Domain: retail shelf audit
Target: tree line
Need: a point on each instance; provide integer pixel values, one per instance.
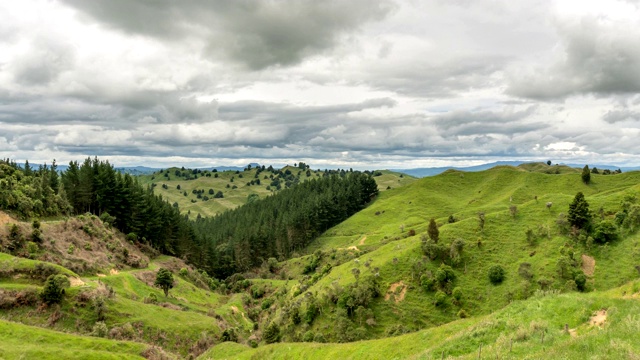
(232, 242)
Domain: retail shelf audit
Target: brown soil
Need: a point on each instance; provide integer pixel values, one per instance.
(101, 275)
(5, 219)
(588, 265)
(599, 318)
(573, 333)
(364, 238)
(350, 248)
(392, 292)
(75, 281)
(113, 272)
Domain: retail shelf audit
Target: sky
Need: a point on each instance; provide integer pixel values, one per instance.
(367, 84)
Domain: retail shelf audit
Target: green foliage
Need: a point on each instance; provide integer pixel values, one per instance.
(580, 281)
(578, 215)
(229, 335)
(496, 274)
(445, 275)
(54, 289)
(440, 299)
(99, 329)
(605, 231)
(272, 333)
(164, 280)
(432, 230)
(586, 174)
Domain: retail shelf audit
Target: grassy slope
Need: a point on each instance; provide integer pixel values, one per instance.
(237, 197)
(503, 240)
(18, 341)
(530, 329)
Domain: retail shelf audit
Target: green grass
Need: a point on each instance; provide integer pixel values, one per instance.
(236, 197)
(514, 332)
(18, 341)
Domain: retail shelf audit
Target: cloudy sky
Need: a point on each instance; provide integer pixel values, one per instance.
(357, 83)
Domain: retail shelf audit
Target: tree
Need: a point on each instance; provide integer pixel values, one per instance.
(606, 231)
(164, 280)
(53, 289)
(579, 212)
(496, 274)
(580, 281)
(586, 174)
(272, 333)
(432, 230)
(549, 162)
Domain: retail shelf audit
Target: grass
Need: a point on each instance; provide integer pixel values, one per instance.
(18, 341)
(513, 332)
(236, 197)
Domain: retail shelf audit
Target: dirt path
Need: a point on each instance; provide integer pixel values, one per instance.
(599, 318)
(588, 265)
(392, 292)
(350, 248)
(235, 310)
(362, 240)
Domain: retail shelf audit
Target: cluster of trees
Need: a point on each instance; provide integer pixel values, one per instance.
(280, 224)
(31, 193)
(96, 187)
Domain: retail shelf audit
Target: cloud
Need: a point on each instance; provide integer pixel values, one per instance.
(598, 56)
(615, 116)
(257, 34)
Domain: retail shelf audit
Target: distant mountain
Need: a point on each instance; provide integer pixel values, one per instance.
(423, 172)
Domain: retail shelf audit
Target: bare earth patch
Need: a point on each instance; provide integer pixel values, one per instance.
(113, 272)
(364, 238)
(355, 248)
(599, 318)
(398, 297)
(101, 275)
(588, 265)
(5, 219)
(75, 281)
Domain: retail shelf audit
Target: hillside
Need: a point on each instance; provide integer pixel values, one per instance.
(601, 325)
(111, 295)
(377, 275)
(375, 260)
(208, 192)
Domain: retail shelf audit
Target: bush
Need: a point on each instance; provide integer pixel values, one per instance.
(308, 336)
(462, 314)
(457, 294)
(496, 274)
(440, 299)
(580, 281)
(229, 335)
(606, 231)
(100, 329)
(272, 333)
(54, 289)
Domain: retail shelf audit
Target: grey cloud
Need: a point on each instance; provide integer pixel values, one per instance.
(46, 59)
(599, 58)
(465, 123)
(257, 34)
(615, 116)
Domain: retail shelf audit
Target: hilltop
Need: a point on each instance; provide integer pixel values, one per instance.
(211, 192)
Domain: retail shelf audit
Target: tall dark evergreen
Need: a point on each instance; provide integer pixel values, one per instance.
(586, 174)
(579, 212)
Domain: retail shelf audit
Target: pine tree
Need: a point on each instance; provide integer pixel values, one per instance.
(432, 231)
(586, 174)
(579, 212)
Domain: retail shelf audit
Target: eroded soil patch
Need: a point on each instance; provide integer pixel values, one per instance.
(588, 265)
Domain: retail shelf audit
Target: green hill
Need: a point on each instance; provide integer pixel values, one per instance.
(195, 190)
(385, 240)
(600, 325)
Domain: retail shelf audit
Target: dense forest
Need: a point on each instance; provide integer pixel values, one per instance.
(223, 245)
(282, 223)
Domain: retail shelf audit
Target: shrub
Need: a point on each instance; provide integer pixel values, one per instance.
(440, 299)
(229, 335)
(272, 333)
(319, 338)
(580, 281)
(606, 231)
(99, 329)
(164, 280)
(54, 289)
(457, 294)
(462, 314)
(496, 274)
(308, 336)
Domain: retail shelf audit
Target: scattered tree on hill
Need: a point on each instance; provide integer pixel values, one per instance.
(496, 274)
(54, 289)
(586, 174)
(549, 162)
(606, 231)
(164, 280)
(272, 333)
(579, 212)
(432, 230)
